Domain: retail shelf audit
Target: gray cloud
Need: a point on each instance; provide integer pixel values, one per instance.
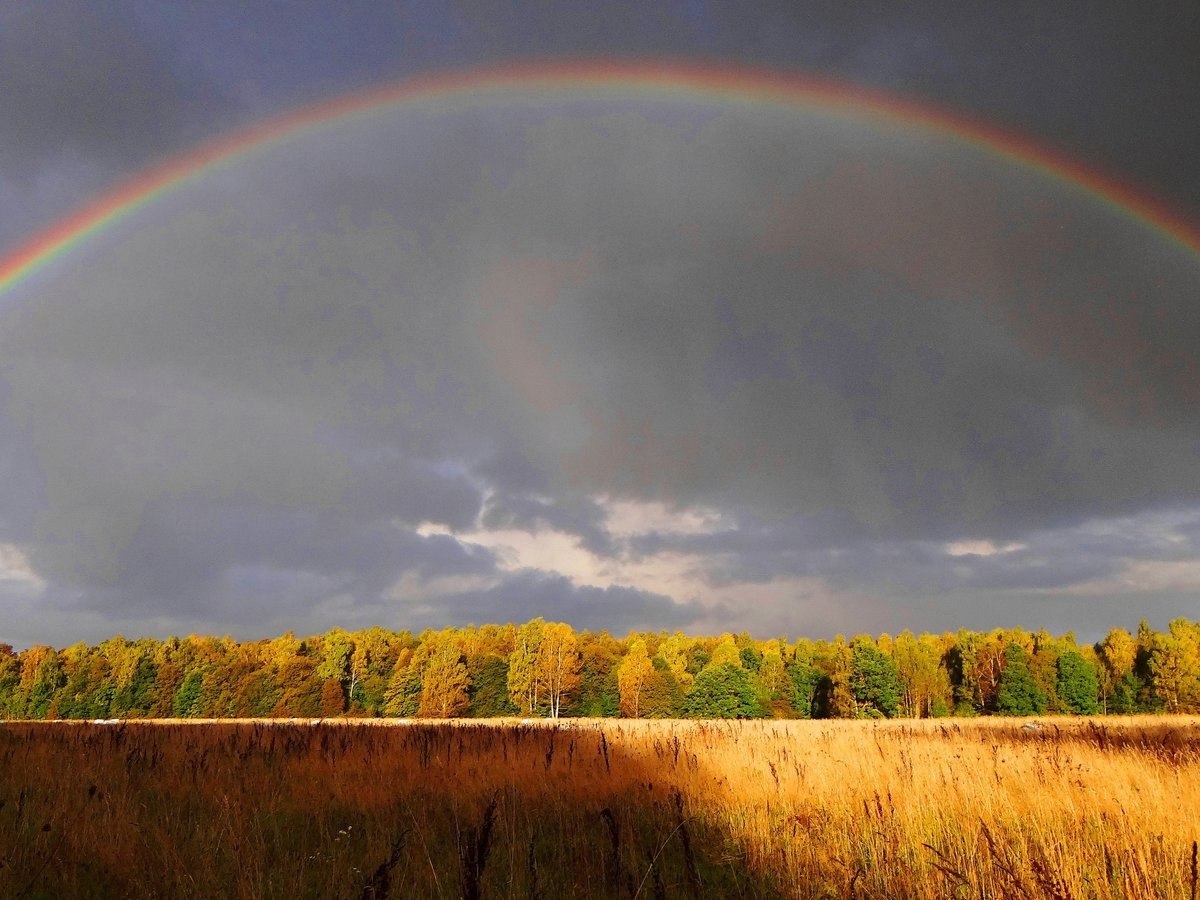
(526, 593)
(579, 516)
(854, 341)
(82, 80)
(1045, 559)
(242, 563)
(941, 381)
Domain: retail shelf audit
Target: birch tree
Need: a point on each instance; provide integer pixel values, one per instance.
(523, 683)
(635, 670)
(557, 665)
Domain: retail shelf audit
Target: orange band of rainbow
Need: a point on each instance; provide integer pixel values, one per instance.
(709, 82)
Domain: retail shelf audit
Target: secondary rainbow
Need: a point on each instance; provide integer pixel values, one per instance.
(706, 82)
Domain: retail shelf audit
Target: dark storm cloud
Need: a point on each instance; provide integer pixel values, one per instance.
(509, 469)
(810, 545)
(941, 387)
(557, 598)
(248, 569)
(83, 83)
(388, 486)
(1113, 85)
(579, 516)
(20, 473)
(244, 563)
(854, 343)
(119, 83)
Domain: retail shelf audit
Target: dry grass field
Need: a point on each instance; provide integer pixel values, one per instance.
(621, 809)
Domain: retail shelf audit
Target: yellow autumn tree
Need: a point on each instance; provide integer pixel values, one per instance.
(403, 694)
(673, 652)
(924, 680)
(1118, 653)
(632, 675)
(524, 687)
(1175, 666)
(772, 673)
(558, 665)
(444, 682)
(370, 663)
(725, 653)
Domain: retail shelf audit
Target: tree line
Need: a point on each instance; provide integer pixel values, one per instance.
(549, 669)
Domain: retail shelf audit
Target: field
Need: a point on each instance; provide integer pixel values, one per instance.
(621, 809)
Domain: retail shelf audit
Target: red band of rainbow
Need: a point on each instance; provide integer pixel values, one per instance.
(709, 82)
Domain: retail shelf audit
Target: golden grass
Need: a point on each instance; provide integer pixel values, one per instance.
(923, 809)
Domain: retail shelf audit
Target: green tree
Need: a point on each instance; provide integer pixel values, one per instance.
(1126, 695)
(99, 702)
(374, 657)
(166, 685)
(258, 693)
(12, 704)
(805, 682)
(1078, 686)
(834, 698)
(488, 691)
(1018, 693)
(82, 673)
(698, 657)
(186, 704)
(136, 697)
(874, 681)
(662, 697)
(723, 692)
(751, 658)
(599, 694)
(337, 647)
(42, 675)
(1043, 665)
(976, 661)
(403, 697)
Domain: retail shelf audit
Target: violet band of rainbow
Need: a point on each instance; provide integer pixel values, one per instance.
(713, 83)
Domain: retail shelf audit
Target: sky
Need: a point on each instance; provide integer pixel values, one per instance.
(627, 356)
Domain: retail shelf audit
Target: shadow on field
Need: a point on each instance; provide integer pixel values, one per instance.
(360, 811)
(1168, 741)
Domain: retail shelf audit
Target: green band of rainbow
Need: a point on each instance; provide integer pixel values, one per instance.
(710, 82)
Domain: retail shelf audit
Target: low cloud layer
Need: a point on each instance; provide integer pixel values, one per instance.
(625, 363)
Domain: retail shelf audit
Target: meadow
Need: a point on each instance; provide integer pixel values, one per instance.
(1075, 808)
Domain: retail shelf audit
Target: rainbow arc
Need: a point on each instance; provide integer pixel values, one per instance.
(708, 82)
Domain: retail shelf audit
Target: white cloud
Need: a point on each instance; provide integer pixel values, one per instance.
(981, 548)
(15, 568)
(793, 605)
(674, 574)
(412, 588)
(548, 550)
(627, 518)
(685, 577)
(1140, 576)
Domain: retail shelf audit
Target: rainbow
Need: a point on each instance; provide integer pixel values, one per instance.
(713, 83)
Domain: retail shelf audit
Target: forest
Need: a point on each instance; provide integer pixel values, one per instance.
(550, 670)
